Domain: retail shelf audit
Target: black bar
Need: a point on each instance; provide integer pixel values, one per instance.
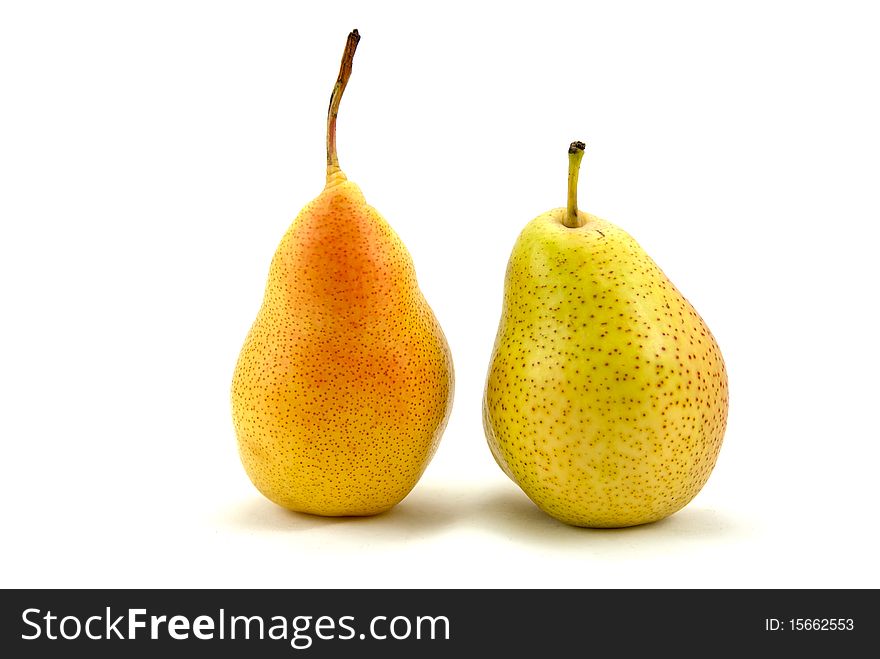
(515, 622)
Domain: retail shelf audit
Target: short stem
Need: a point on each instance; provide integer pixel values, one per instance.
(575, 155)
(336, 97)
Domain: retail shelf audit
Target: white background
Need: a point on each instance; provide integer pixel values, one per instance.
(152, 155)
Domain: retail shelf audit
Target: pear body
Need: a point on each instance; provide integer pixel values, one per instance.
(606, 399)
(344, 384)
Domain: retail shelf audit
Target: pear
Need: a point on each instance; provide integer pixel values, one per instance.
(606, 399)
(344, 384)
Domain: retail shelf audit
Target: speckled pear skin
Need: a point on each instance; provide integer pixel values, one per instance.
(344, 384)
(606, 399)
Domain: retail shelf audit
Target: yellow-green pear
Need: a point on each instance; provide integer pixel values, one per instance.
(606, 399)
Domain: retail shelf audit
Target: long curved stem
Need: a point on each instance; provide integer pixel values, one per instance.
(336, 97)
(575, 155)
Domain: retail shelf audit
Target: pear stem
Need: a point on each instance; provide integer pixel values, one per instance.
(336, 97)
(575, 155)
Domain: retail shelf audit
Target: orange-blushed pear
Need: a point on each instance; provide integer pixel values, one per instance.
(344, 384)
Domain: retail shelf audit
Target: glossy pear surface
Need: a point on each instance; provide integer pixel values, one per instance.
(344, 384)
(606, 398)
